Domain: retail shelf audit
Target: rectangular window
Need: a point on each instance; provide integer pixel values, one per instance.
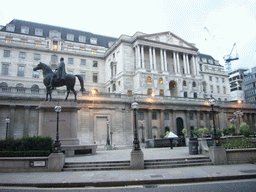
(36, 56)
(224, 90)
(35, 74)
(211, 88)
(210, 78)
(95, 64)
(24, 30)
(7, 53)
(55, 46)
(95, 78)
(38, 44)
(140, 115)
(129, 92)
(166, 116)
(191, 116)
(161, 92)
(70, 61)
(217, 79)
(54, 34)
(201, 116)
(83, 75)
(38, 32)
(70, 37)
(149, 91)
(21, 70)
(5, 69)
(22, 55)
(83, 62)
(82, 39)
(8, 40)
(94, 51)
(218, 89)
(93, 41)
(154, 115)
(223, 80)
(185, 94)
(210, 116)
(10, 28)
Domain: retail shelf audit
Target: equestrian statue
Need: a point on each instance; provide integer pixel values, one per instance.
(59, 79)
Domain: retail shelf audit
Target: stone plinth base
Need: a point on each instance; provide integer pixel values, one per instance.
(70, 149)
(218, 155)
(56, 162)
(108, 147)
(137, 159)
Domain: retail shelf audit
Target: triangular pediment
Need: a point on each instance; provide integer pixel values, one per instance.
(168, 38)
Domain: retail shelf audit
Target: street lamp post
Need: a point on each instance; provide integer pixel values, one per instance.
(7, 121)
(142, 132)
(212, 102)
(108, 140)
(57, 143)
(136, 141)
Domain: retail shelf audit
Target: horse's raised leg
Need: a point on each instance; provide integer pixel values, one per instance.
(75, 93)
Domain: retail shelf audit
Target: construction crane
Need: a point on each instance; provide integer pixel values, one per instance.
(230, 57)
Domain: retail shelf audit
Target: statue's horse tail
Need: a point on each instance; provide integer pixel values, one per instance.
(80, 78)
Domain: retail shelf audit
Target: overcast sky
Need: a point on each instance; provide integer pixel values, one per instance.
(227, 21)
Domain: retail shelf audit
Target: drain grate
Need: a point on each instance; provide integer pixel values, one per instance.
(156, 176)
(248, 171)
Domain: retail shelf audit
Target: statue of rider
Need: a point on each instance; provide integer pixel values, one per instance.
(60, 73)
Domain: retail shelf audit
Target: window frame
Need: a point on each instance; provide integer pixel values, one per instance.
(5, 69)
(21, 73)
(7, 53)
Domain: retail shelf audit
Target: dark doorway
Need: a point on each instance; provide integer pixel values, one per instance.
(180, 126)
(166, 129)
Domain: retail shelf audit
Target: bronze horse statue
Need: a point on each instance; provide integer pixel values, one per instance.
(69, 81)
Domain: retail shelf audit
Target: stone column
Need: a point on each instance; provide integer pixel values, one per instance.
(173, 121)
(198, 119)
(175, 62)
(162, 60)
(193, 63)
(185, 63)
(26, 120)
(188, 65)
(178, 62)
(150, 58)
(162, 120)
(12, 120)
(165, 61)
(149, 124)
(138, 60)
(197, 65)
(142, 56)
(154, 58)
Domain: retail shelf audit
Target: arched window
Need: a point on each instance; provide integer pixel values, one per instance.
(114, 87)
(194, 84)
(184, 83)
(149, 80)
(34, 89)
(20, 88)
(4, 87)
(160, 81)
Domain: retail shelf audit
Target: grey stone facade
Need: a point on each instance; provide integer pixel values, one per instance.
(165, 74)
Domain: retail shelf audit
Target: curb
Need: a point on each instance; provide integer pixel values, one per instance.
(134, 182)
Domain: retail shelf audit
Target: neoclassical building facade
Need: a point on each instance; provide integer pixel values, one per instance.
(165, 74)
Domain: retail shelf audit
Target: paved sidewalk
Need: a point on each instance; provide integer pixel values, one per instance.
(129, 177)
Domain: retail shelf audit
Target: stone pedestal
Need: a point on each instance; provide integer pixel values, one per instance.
(56, 162)
(218, 155)
(68, 121)
(137, 159)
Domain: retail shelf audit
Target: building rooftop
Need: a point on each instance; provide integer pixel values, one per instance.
(101, 40)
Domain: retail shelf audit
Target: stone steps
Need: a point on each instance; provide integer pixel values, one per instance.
(148, 164)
